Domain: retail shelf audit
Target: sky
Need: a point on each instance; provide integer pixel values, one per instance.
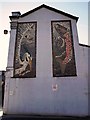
(77, 8)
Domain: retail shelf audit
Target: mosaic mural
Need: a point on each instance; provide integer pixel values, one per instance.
(62, 49)
(25, 50)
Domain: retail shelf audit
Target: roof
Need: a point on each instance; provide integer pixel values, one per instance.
(50, 8)
(83, 45)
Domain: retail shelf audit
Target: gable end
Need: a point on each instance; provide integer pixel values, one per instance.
(50, 8)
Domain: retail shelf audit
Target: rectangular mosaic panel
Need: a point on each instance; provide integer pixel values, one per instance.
(62, 49)
(25, 50)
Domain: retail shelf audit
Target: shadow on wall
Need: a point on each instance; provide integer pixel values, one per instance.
(0, 96)
(88, 82)
(88, 59)
(2, 83)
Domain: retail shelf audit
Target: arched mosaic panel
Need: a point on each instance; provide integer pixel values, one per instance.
(25, 50)
(62, 49)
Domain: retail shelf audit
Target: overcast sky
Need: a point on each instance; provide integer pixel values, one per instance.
(78, 8)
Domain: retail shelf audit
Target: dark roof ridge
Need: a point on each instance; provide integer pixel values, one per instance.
(83, 45)
(50, 8)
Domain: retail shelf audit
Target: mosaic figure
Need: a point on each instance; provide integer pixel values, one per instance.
(25, 52)
(63, 52)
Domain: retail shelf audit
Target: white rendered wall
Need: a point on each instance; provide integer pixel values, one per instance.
(35, 95)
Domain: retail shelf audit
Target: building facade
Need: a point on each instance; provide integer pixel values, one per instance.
(47, 70)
